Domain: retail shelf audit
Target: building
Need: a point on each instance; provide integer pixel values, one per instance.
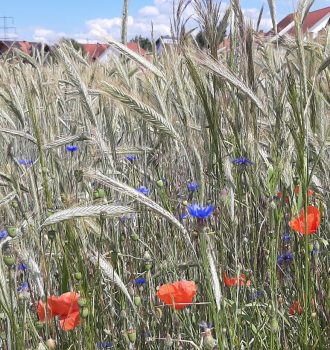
(314, 24)
(165, 42)
(27, 47)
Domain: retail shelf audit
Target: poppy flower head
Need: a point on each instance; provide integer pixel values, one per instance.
(313, 221)
(65, 306)
(177, 295)
(309, 191)
(295, 308)
(234, 281)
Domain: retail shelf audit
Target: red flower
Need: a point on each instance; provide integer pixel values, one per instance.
(295, 308)
(178, 294)
(313, 221)
(309, 191)
(234, 281)
(279, 195)
(65, 306)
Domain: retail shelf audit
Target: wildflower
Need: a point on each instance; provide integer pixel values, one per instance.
(234, 281)
(25, 161)
(242, 161)
(3, 234)
(183, 216)
(65, 306)
(131, 157)
(193, 186)
(22, 267)
(178, 294)
(140, 281)
(286, 257)
(279, 195)
(313, 221)
(72, 148)
(309, 191)
(205, 325)
(286, 237)
(23, 288)
(200, 212)
(295, 308)
(144, 190)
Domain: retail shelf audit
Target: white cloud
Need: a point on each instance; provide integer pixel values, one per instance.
(47, 35)
(252, 14)
(149, 11)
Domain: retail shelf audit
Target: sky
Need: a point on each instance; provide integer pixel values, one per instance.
(94, 20)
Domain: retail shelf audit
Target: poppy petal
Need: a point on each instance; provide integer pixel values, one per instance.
(71, 321)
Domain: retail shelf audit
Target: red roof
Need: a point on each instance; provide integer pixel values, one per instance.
(94, 51)
(136, 48)
(310, 21)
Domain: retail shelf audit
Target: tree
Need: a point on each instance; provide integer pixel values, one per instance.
(144, 43)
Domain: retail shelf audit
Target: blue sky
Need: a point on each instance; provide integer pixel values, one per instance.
(93, 19)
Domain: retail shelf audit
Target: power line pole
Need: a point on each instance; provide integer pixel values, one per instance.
(5, 27)
(124, 23)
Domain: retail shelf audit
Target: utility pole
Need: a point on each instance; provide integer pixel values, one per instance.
(5, 27)
(124, 23)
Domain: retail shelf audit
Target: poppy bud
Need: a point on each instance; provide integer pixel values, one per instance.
(84, 312)
(160, 183)
(208, 340)
(11, 231)
(148, 265)
(51, 344)
(159, 312)
(9, 260)
(137, 300)
(51, 234)
(168, 341)
(185, 203)
(39, 325)
(313, 315)
(78, 276)
(274, 325)
(101, 193)
(125, 336)
(147, 256)
(134, 237)
(82, 302)
(123, 314)
(14, 204)
(96, 194)
(131, 335)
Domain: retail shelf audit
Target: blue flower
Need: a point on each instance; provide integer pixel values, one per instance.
(140, 281)
(193, 186)
(183, 216)
(144, 190)
(131, 157)
(314, 251)
(22, 267)
(286, 257)
(205, 325)
(3, 234)
(200, 212)
(23, 288)
(286, 237)
(72, 148)
(242, 161)
(25, 161)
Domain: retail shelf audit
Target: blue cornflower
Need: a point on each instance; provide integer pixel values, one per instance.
(25, 161)
(314, 251)
(286, 237)
(144, 190)
(204, 325)
(23, 288)
(140, 281)
(183, 216)
(242, 161)
(200, 212)
(131, 157)
(288, 257)
(193, 186)
(72, 148)
(3, 234)
(22, 267)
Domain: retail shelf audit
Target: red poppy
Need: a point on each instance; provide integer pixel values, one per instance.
(279, 195)
(295, 308)
(309, 191)
(313, 221)
(234, 281)
(178, 294)
(65, 306)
